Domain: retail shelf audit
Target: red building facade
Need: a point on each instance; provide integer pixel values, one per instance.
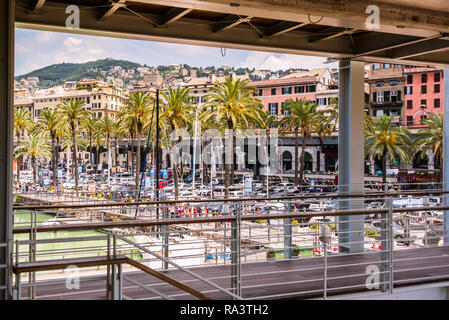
(423, 94)
(274, 93)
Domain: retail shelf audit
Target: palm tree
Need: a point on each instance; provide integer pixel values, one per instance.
(431, 138)
(49, 120)
(22, 123)
(302, 117)
(176, 114)
(136, 113)
(388, 140)
(34, 146)
(73, 113)
(232, 102)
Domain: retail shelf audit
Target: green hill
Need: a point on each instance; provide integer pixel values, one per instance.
(62, 72)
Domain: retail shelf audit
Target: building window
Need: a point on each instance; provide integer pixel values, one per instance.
(311, 88)
(387, 96)
(394, 96)
(380, 84)
(409, 104)
(285, 110)
(436, 88)
(379, 96)
(423, 89)
(409, 90)
(273, 108)
(287, 90)
(424, 103)
(410, 79)
(273, 91)
(100, 114)
(437, 77)
(436, 103)
(376, 66)
(260, 92)
(424, 78)
(299, 89)
(409, 120)
(387, 66)
(394, 82)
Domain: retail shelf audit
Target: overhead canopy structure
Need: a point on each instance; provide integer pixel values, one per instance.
(409, 31)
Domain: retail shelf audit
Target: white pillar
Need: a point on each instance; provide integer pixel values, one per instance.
(351, 151)
(6, 139)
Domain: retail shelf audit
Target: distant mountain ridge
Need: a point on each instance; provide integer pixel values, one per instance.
(59, 73)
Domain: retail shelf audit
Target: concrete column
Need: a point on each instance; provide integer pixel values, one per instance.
(322, 161)
(351, 152)
(6, 139)
(445, 153)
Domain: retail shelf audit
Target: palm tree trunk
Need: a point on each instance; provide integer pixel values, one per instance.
(55, 163)
(441, 167)
(138, 162)
(33, 161)
(75, 159)
(132, 154)
(303, 151)
(97, 162)
(228, 165)
(90, 151)
(116, 156)
(296, 155)
(18, 161)
(233, 163)
(384, 171)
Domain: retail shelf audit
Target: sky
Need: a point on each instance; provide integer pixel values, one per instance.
(36, 49)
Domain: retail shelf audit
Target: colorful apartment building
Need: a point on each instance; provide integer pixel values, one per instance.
(386, 87)
(423, 93)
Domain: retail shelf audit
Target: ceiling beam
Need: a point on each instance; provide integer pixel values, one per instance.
(229, 22)
(283, 27)
(418, 49)
(332, 36)
(114, 7)
(39, 4)
(173, 15)
(378, 43)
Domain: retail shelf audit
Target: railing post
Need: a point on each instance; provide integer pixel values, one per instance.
(235, 251)
(391, 242)
(108, 270)
(165, 235)
(386, 241)
(117, 282)
(287, 229)
(17, 291)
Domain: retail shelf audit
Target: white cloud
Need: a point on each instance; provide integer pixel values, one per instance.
(274, 62)
(73, 44)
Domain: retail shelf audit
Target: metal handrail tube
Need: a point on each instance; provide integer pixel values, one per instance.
(179, 267)
(142, 223)
(311, 196)
(49, 283)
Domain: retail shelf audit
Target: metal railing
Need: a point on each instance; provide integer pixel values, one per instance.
(249, 248)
